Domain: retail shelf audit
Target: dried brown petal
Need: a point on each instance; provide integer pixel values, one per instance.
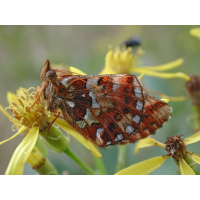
(176, 147)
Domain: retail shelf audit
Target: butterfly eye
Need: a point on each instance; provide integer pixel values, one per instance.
(52, 106)
(50, 74)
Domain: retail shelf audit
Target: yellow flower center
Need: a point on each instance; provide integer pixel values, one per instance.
(120, 61)
(36, 116)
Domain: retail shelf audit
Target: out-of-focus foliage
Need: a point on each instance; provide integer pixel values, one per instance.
(24, 50)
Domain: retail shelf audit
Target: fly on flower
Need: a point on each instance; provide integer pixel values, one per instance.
(105, 109)
(132, 42)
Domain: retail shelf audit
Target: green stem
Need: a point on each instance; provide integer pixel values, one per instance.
(47, 169)
(196, 124)
(100, 165)
(192, 164)
(121, 157)
(77, 160)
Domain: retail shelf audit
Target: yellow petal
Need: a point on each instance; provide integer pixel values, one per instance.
(165, 100)
(69, 129)
(76, 71)
(194, 157)
(22, 152)
(14, 120)
(176, 99)
(60, 66)
(195, 32)
(107, 70)
(185, 168)
(164, 96)
(140, 77)
(4, 112)
(109, 61)
(192, 139)
(20, 91)
(145, 167)
(11, 97)
(23, 128)
(162, 75)
(147, 142)
(164, 67)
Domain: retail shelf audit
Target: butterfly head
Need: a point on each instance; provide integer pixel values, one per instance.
(47, 73)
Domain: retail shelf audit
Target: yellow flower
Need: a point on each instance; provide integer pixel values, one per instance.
(32, 122)
(176, 149)
(124, 62)
(195, 32)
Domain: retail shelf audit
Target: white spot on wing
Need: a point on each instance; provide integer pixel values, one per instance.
(115, 87)
(136, 82)
(81, 124)
(108, 143)
(119, 137)
(71, 103)
(139, 105)
(138, 92)
(89, 118)
(98, 134)
(91, 82)
(94, 101)
(117, 78)
(83, 95)
(65, 81)
(136, 119)
(129, 129)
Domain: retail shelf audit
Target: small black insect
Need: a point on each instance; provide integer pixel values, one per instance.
(132, 42)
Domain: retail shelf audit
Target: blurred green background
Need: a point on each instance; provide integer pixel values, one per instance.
(24, 50)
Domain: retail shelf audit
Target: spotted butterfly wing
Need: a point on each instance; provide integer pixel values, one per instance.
(106, 109)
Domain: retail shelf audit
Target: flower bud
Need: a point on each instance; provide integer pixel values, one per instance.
(56, 140)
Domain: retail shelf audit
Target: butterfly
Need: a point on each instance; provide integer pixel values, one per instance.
(105, 109)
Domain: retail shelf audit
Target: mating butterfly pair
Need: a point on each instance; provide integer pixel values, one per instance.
(106, 109)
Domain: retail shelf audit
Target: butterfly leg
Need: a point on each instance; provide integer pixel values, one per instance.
(38, 97)
(52, 122)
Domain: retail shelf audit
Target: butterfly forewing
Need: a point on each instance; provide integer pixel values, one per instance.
(107, 109)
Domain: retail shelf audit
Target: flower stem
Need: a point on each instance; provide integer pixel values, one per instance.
(121, 157)
(77, 160)
(47, 169)
(196, 122)
(100, 165)
(192, 164)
